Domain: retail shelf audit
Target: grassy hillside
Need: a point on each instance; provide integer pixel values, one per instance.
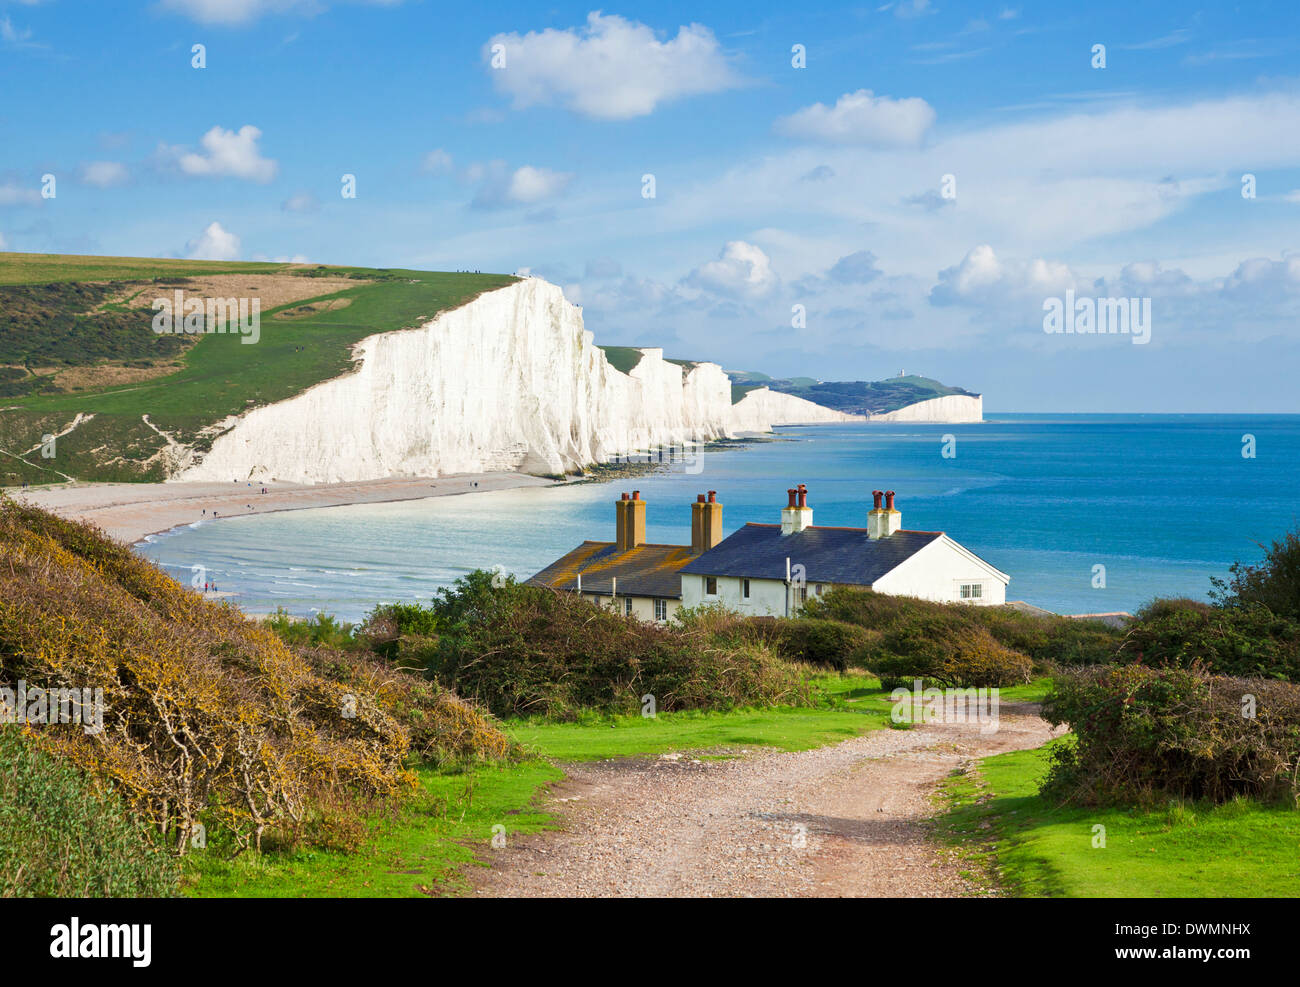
(93, 316)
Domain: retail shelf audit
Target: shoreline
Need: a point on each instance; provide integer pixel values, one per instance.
(131, 512)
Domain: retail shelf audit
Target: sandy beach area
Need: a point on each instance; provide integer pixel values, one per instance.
(130, 511)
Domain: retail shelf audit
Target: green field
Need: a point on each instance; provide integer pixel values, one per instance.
(1031, 847)
(220, 375)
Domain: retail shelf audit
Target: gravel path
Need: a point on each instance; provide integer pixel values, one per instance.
(841, 821)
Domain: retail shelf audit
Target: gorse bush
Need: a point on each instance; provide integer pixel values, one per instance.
(1143, 732)
(525, 650)
(209, 717)
(942, 655)
(897, 618)
(61, 838)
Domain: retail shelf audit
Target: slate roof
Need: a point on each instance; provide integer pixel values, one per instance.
(647, 570)
(828, 555)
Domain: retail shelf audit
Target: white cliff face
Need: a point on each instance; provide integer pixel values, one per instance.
(762, 408)
(953, 408)
(511, 380)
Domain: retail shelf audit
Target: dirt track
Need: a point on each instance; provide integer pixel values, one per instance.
(688, 828)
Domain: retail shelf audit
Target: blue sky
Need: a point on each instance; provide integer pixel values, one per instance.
(820, 187)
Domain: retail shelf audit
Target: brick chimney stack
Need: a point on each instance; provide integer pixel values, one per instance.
(797, 515)
(630, 521)
(883, 521)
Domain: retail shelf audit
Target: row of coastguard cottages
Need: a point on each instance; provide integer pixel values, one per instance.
(770, 569)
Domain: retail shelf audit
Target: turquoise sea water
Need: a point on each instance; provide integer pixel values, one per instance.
(1162, 501)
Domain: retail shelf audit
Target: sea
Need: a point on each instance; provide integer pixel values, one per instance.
(1086, 513)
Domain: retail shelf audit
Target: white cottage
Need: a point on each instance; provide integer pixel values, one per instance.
(771, 569)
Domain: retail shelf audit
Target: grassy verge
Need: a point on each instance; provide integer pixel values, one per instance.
(428, 845)
(421, 850)
(1031, 847)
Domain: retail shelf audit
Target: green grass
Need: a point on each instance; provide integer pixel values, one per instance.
(425, 849)
(1034, 848)
(851, 706)
(623, 358)
(18, 268)
(430, 844)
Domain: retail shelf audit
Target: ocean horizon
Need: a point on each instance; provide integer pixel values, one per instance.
(1161, 502)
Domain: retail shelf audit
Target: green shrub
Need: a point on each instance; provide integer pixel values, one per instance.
(61, 838)
(824, 642)
(526, 650)
(1245, 640)
(1044, 639)
(1143, 732)
(1273, 583)
(318, 630)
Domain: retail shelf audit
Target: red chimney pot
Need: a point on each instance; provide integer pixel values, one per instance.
(713, 496)
(699, 499)
(792, 493)
(625, 495)
(889, 500)
(876, 495)
(636, 494)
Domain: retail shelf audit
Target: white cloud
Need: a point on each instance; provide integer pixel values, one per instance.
(524, 186)
(11, 35)
(985, 280)
(18, 195)
(741, 269)
(104, 174)
(1260, 277)
(862, 118)
(227, 153)
(613, 69)
(234, 12)
(437, 161)
(302, 202)
(214, 243)
(529, 184)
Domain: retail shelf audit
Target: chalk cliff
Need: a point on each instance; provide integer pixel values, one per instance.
(762, 408)
(511, 380)
(954, 408)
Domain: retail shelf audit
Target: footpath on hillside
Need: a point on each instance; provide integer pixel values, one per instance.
(848, 820)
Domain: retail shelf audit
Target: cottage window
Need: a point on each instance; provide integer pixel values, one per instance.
(972, 591)
(710, 585)
(627, 606)
(661, 609)
(744, 588)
